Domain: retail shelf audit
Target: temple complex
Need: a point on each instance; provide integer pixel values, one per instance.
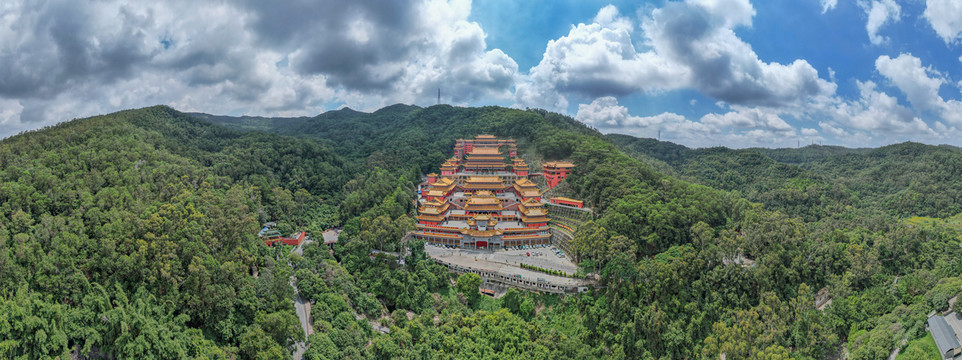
(484, 198)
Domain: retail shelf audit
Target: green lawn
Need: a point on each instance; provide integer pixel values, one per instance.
(925, 345)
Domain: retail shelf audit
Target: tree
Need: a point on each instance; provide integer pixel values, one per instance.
(321, 347)
(527, 308)
(255, 344)
(469, 284)
(282, 326)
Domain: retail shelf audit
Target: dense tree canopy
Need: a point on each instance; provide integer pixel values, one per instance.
(131, 235)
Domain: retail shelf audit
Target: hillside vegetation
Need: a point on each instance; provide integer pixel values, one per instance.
(132, 235)
(903, 180)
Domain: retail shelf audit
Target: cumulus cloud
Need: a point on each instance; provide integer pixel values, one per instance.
(702, 39)
(595, 60)
(920, 85)
(945, 16)
(606, 114)
(907, 73)
(879, 12)
(878, 113)
(55, 50)
(64, 59)
(686, 45)
(748, 118)
(877, 118)
(761, 97)
(746, 127)
(610, 18)
(387, 47)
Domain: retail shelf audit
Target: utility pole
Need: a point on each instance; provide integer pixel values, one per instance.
(439, 96)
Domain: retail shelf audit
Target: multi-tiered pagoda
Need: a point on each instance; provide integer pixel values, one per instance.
(484, 198)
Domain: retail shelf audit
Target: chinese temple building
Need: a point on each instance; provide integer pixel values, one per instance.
(555, 171)
(483, 198)
(568, 201)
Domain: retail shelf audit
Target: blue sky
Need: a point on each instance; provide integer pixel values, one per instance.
(834, 41)
(737, 73)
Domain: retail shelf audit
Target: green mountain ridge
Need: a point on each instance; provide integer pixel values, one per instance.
(908, 179)
(132, 235)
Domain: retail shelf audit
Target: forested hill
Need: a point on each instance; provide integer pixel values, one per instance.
(132, 235)
(907, 179)
(836, 226)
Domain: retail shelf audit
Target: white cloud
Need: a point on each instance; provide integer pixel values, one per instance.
(744, 127)
(608, 17)
(607, 115)
(65, 59)
(907, 73)
(685, 45)
(594, 60)
(920, 85)
(603, 111)
(702, 39)
(876, 118)
(751, 118)
(828, 5)
(880, 114)
(879, 12)
(413, 50)
(945, 16)
(834, 131)
(732, 12)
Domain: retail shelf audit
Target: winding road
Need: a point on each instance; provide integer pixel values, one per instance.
(302, 306)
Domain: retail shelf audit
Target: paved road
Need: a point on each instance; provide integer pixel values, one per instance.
(302, 307)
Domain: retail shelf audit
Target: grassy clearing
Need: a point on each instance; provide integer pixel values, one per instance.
(925, 344)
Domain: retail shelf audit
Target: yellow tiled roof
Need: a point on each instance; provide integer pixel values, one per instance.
(434, 209)
(486, 207)
(475, 186)
(430, 217)
(559, 164)
(524, 182)
(483, 179)
(484, 150)
(483, 200)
